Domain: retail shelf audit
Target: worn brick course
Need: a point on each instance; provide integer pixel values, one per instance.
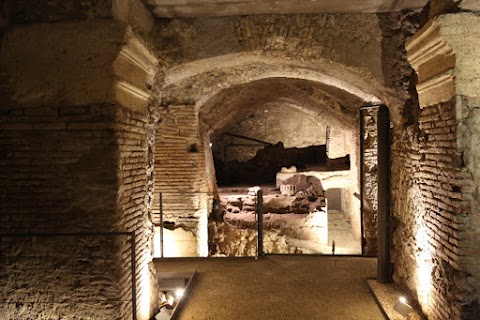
(74, 182)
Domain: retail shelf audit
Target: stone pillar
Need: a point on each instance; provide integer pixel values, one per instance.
(370, 181)
(181, 177)
(73, 159)
(437, 169)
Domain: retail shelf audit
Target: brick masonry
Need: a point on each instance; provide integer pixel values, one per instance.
(429, 188)
(181, 175)
(74, 157)
(434, 173)
(59, 174)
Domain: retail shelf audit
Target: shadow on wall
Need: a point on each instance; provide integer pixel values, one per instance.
(262, 169)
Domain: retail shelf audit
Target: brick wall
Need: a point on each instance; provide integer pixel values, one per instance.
(428, 206)
(74, 158)
(57, 167)
(180, 171)
(435, 172)
(133, 134)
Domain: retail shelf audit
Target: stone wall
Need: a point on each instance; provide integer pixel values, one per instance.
(350, 39)
(336, 143)
(56, 178)
(370, 181)
(466, 157)
(435, 173)
(74, 159)
(180, 170)
(294, 128)
(232, 67)
(351, 194)
(209, 163)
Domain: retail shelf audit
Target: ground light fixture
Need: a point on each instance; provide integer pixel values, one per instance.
(402, 307)
(179, 293)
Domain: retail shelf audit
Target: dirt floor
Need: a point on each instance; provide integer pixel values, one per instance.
(277, 287)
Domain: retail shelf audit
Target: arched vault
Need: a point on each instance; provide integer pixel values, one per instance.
(228, 88)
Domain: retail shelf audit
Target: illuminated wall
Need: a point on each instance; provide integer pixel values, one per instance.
(181, 177)
(435, 170)
(75, 125)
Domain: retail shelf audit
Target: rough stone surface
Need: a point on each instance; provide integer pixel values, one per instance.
(75, 160)
(207, 8)
(32, 58)
(299, 129)
(435, 202)
(75, 189)
(370, 181)
(235, 51)
(351, 39)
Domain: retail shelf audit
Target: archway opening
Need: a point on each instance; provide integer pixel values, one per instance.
(295, 139)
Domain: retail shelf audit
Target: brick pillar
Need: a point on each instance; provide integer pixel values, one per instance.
(435, 171)
(181, 177)
(73, 159)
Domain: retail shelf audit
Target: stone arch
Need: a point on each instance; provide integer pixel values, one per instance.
(218, 88)
(198, 81)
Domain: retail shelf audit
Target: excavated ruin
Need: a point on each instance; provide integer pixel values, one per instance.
(132, 130)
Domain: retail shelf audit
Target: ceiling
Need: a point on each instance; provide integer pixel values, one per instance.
(237, 103)
(206, 8)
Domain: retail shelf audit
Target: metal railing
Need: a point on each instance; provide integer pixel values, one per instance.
(178, 227)
(183, 247)
(173, 218)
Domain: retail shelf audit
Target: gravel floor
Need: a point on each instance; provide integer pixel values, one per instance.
(277, 287)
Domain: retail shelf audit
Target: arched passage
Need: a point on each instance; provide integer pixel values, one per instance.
(230, 91)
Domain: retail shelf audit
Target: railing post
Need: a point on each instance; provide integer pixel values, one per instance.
(134, 285)
(383, 133)
(260, 223)
(161, 224)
